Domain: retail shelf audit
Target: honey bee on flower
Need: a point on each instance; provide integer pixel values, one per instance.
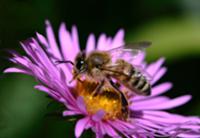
(100, 67)
(101, 108)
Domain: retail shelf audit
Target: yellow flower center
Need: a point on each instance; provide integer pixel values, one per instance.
(107, 99)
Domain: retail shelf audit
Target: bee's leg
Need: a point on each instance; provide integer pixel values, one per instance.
(123, 99)
(98, 88)
(117, 84)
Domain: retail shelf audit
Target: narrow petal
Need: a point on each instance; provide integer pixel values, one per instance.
(42, 88)
(90, 45)
(148, 123)
(154, 67)
(52, 40)
(99, 133)
(118, 40)
(75, 40)
(158, 75)
(80, 126)
(102, 129)
(149, 102)
(110, 131)
(189, 135)
(81, 104)
(101, 44)
(42, 57)
(161, 88)
(66, 43)
(166, 105)
(16, 70)
(70, 113)
(42, 39)
(20, 60)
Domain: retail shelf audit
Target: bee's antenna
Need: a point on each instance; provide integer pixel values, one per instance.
(64, 61)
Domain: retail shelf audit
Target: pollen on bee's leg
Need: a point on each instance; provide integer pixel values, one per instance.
(108, 100)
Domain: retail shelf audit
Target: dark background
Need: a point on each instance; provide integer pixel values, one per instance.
(173, 26)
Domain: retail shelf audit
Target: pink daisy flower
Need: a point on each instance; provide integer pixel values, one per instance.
(147, 114)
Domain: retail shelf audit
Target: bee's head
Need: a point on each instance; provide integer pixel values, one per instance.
(80, 63)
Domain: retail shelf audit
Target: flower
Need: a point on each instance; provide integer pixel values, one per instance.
(147, 116)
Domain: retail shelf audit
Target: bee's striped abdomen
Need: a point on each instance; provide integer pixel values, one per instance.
(138, 83)
(132, 78)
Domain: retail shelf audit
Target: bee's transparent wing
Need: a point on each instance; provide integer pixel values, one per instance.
(131, 50)
(141, 71)
(144, 72)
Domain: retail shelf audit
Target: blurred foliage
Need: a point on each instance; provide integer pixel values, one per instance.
(173, 26)
(172, 38)
(20, 106)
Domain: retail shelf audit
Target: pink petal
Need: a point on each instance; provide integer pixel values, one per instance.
(75, 40)
(109, 130)
(190, 126)
(148, 123)
(16, 70)
(101, 127)
(80, 126)
(52, 40)
(98, 116)
(118, 40)
(101, 44)
(168, 119)
(29, 49)
(161, 88)
(90, 43)
(192, 135)
(97, 129)
(41, 88)
(154, 67)
(66, 43)
(157, 113)
(125, 124)
(66, 74)
(21, 60)
(137, 105)
(158, 75)
(42, 39)
(49, 92)
(43, 57)
(81, 104)
(165, 105)
(70, 113)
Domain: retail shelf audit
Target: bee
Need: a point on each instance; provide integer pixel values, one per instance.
(109, 67)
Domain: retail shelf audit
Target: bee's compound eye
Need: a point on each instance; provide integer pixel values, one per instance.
(80, 64)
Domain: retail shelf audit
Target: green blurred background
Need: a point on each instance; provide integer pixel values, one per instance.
(173, 26)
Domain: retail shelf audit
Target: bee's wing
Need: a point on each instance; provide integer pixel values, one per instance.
(129, 52)
(112, 68)
(129, 49)
(144, 72)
